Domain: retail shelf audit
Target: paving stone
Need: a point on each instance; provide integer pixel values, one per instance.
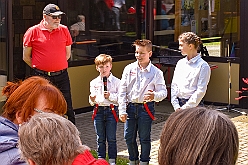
(86, 127)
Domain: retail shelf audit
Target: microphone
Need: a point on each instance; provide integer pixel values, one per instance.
(104, 79)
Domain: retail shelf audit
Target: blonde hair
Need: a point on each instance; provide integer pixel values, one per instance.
(49, 139)
(190, 38)
(198, 136)
(103, 59)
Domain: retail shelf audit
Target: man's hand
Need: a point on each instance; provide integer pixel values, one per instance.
(123, 118)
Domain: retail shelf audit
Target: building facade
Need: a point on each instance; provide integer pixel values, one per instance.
(111, 29)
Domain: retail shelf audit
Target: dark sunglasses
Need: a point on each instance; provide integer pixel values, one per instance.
(55, 16)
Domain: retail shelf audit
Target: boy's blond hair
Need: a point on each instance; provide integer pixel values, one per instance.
(145, 43)
(103, 59)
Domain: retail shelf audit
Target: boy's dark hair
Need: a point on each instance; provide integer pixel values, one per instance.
(103, 59)
(144, 42)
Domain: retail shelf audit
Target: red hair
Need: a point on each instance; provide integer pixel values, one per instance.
(22, 97)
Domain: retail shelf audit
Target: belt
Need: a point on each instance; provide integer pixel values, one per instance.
(112, 110)
(146, 108)
(50, 73)
(141, 104)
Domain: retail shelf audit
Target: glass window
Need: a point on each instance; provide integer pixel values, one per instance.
(3, 47)
(215, 21)
(101, 26)
(3, 55)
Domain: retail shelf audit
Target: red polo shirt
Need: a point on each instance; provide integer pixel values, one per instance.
(48, 48)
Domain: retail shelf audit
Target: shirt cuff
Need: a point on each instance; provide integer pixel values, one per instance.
(122, 112)
(177, 106)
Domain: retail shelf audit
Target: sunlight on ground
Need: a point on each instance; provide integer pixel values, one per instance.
(241, 123)
(153, 155)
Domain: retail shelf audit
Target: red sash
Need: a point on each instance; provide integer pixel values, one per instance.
(112, 110)
(148, 111)
(95, 111)
(114, 113)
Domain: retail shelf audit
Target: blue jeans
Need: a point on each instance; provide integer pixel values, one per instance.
(117, 17)
(105, 127)
(138, 121)
(183, 101)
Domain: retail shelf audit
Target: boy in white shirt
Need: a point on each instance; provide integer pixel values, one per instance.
(103, 95)
(142, 84)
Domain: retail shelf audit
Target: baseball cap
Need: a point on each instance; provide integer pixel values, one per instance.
(52, 9)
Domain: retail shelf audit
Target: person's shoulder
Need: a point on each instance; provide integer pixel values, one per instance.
(86, 157)
(156, 69)
(115, 78)
(203, 62)
(182, 60)
(7, 125)
(131, 65)
(96, 79)
(33, 28)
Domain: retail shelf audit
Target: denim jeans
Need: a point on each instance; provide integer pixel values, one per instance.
(117, 17)
(105, 127)
(62, 82)
(183, 101)
(138, 121)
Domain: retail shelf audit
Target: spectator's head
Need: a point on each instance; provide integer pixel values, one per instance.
(103, 64)
(33, 95)
(49, 139)
(190, 38)
(81, 18)
(198, 136)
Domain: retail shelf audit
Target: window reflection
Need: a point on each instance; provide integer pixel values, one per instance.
(3, 56)
(112, 29)
(109, 27)
(215, 21)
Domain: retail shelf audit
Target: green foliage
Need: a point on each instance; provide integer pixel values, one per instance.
(119, 160)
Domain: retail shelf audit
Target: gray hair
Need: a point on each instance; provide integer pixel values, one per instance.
(49, 139)
(198, 136)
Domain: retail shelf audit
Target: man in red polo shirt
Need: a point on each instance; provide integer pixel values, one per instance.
(46, 49)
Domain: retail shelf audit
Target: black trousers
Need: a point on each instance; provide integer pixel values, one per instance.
(62, 82)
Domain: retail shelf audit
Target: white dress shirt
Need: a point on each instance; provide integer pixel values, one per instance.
(97, 89)
(190, 81)
(136, 82)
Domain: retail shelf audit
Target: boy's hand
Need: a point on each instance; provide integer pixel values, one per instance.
(93, 98)
(178, 109)
(123, 118)
(106, 94)
(149, 96)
